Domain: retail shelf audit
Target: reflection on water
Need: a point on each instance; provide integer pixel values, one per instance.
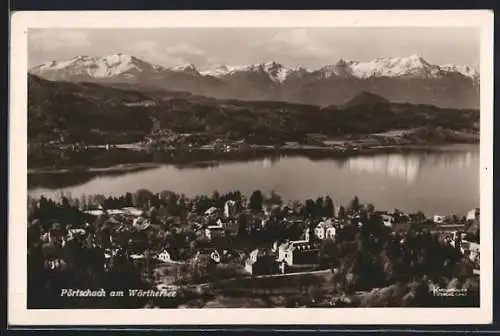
(271, 161)
(438, 182)
(407, 167)
(392, 165)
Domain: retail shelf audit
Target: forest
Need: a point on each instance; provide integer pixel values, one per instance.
(90, 113)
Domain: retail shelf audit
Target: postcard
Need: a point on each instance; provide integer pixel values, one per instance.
(251, 167)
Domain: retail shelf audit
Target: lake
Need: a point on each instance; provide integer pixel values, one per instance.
(444, 180)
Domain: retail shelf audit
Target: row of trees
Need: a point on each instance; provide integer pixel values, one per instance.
(178, 205)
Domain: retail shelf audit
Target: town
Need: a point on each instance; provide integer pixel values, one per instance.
(210, 245)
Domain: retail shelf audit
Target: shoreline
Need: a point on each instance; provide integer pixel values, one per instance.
(118, 168)
(217, 156)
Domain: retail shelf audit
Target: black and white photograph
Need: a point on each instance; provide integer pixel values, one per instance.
(311, 164)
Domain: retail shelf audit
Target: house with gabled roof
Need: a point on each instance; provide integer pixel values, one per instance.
(299, 252)
(260, 261)
(211, 211)
(324, 230)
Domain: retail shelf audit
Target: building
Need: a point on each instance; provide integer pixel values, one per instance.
(299, 252)
(96, 213)
(472, 220)
(214, 231)
(211, 211)
(401, 223)
(164, 256)
(230, 208)
(260, 261)
(146, 103)
(473, 249)
(473, 214)
(170, 255)
(438, 219)
(141, 223)
(387, 220)
(231, 227)
(324, 230)
(137, 257)
(215, 256)
(133, 211)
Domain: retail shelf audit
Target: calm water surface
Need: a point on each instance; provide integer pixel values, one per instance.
(445, 181)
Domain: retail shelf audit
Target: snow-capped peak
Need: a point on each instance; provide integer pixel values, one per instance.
(189, 67)
(220, 70)
(410, 66)
(274, 70)
(465, 70)
(116, 59)
(97, 67)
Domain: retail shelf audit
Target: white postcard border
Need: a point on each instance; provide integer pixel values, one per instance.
(18, 314)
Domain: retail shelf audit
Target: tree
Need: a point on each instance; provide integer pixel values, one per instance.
(354, 205)
(342, 213)
(370, 209)
(275, 199)
(128, 199)
(83, 202)
(256, 200)
(242, 224)
(328, 208)
(309, 208)
(319, 206)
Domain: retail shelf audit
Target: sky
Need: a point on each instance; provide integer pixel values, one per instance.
(307, 47)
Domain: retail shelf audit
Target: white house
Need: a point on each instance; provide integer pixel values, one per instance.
(133, 211)
(260, 262)
(113, 212)
(164, 256)
(252, 259)
(137, 256)
(229, 208)
(473, 248)
(213, 231)
(388, 220)
(96, 213)
(297, 252)
(438, 219)
(141, 223)
(215, 256)
(471, 215)
(325, 230)
(211, 211)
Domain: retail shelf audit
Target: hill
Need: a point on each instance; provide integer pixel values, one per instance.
(365, 98)
(93, 113)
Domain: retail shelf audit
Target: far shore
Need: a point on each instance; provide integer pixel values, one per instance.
(110, 169)
(202, 157)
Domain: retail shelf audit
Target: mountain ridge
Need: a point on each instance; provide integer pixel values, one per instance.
(404, 79)
(404, 64)
(91, 112)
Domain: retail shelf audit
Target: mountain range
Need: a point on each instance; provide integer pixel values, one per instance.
(399, 79)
